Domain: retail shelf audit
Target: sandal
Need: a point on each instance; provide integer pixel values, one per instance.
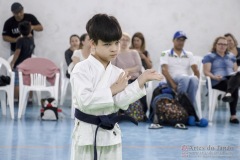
(234, 121)
(155, 126)
(180, 126)
(227, 98)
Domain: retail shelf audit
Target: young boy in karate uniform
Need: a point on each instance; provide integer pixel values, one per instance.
(99, 88)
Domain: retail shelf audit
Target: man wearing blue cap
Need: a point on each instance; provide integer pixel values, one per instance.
(10, 30)
(176, 66)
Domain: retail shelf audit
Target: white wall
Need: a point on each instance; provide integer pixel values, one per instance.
(156, 19)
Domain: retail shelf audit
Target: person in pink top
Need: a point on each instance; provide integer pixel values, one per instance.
(130, 61)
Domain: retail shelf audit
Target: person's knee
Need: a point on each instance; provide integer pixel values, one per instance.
(194, 81)
(184, 80)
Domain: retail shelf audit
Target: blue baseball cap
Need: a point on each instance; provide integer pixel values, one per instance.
(179, 34)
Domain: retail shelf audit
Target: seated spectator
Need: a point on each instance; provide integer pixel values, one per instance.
(82, 53)
(233, 46)
(74, 45)
(130, 61)
(176, 66)
(138, 43)
(219, 65)
(24, 49)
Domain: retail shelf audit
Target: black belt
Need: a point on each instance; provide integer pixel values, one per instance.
(104, 121)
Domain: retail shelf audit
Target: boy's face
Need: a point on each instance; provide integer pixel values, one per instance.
(105, 51)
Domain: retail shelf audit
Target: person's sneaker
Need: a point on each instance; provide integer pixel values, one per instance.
(235, 121)
(227, 97)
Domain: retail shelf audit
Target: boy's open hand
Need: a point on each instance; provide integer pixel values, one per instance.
(149, 75)
(120, 84)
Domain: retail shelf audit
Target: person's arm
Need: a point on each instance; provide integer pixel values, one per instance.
(75, 59)
(76, 56)
(147, 59)
(195, 70)
(35, 24)
(38, 27)
(15, 57)
(68, 57)
(6, 33)
(207, 72)
(235, 67)
(168, 77)
(10, 39)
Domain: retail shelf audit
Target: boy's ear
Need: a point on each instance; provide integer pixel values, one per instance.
(92, 43)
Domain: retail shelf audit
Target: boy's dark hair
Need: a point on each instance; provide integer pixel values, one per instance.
(24, 28)
(103, 27)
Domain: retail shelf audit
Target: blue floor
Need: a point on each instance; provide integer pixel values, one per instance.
(30, 138)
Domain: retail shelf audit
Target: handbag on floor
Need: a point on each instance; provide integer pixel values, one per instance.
(168, 111)
(135, 110)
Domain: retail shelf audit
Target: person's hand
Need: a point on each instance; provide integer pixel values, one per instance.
(149, 75)
(142, 55)
(18, 38)
(120, 84)
(75, 59)
(217, 77)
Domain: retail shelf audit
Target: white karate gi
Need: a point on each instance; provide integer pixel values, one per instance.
(92, 95)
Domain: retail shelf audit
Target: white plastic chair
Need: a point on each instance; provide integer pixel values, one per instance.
(212, 98)
(202, 82)
(38, 83)
(149, 90)
(9, 89)
(64, 83)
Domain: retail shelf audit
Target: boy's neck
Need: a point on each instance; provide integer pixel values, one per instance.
(104, 62)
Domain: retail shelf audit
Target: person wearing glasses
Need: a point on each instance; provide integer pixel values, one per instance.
(221, 66)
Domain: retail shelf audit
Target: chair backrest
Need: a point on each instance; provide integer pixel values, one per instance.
(5, 63)
(38, 80)
(41, 66)
(63, 68)
(198, 60)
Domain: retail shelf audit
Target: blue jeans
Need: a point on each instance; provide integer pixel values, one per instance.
(187, 84)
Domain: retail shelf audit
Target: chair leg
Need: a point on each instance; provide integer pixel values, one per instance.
(3, 102)
(25, 103)
(63, 92)
(210, 99)
(22, 103)
(213, 105)
(11, 103)
(39, 97)
(198, 101)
